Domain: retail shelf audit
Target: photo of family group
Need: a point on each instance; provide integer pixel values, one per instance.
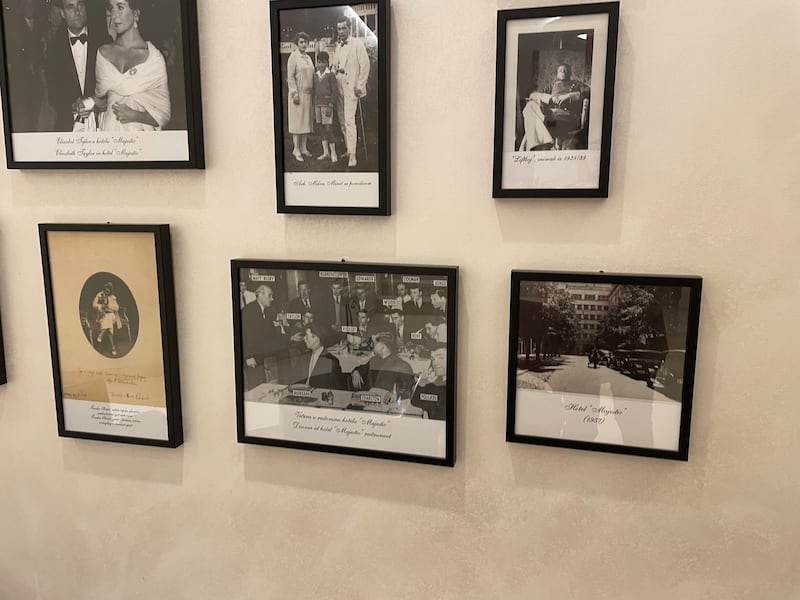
(95, 66)
(330, 74)
(329, 70)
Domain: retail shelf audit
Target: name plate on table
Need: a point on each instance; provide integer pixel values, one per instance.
(367, 398)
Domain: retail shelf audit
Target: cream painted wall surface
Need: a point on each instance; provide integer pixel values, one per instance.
(704, 181)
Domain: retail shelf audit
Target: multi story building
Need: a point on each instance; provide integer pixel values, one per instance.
(591, 302)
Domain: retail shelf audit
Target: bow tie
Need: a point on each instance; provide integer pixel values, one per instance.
(82, 38)
(343, 43)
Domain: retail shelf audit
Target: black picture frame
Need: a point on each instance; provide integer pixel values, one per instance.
(162, 326)
(316, 276)
(576, 417)
(378, 118)
(44, 152)
(553, 120)
(3, 371)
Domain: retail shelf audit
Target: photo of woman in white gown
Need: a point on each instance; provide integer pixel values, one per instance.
(132, 92)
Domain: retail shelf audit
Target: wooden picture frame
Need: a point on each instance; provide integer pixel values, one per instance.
(149, 116)
(352, 358)
(601, 361)
(318, 116)
(113, 339)
(554, 101)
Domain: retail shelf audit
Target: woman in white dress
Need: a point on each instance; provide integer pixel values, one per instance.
(300, 79)
(132, 92)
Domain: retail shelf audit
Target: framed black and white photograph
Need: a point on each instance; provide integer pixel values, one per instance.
(113, 340)
(554, 100)
(330, 73)
(101, 84)
(603, 361)
(351, 358)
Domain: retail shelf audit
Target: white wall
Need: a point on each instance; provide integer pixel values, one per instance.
(704, 180)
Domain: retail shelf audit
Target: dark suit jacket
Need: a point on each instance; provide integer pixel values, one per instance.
(325, 310)
(370, 305)
(63, 86)
(25, 57)
(385, 373)
(415, 317)
(327, 373)
(433, 399)
(260, 337)
(297, 306)
(406, 338)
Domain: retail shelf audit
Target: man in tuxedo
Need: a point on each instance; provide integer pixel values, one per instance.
(263, 339)
(69, 64)
(316, 367)
(351, 66)
(301, 304)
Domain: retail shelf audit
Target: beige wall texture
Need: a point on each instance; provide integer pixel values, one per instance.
(704, 180)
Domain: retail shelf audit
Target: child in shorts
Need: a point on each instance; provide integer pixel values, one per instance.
(325, 92)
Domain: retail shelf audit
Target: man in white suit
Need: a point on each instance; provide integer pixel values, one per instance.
(351, 66)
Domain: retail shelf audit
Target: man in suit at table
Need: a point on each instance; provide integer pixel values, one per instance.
(439, 302)
(402, 332)
(416, 310)
(430, 390)
(316, 367)
(301, 304)
(69, 65)
(264, 342)
(385, 370)
(332, 309)
(362, 301)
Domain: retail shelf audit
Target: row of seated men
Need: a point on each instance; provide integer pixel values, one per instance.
(287, 350)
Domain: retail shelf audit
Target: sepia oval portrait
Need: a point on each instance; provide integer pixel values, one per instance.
(109, 316)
